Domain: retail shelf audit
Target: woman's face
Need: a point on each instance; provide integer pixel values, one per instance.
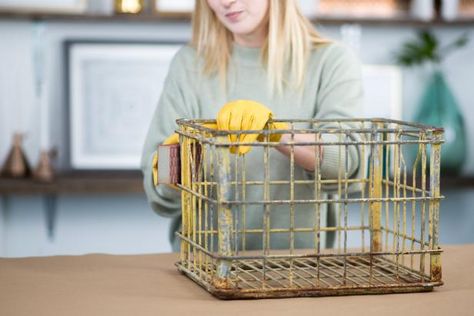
(246, 19)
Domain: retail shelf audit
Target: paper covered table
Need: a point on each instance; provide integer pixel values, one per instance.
(150, 285)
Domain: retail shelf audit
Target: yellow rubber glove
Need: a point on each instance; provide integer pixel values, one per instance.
(154, 169)
(274, 126)
(246, 115)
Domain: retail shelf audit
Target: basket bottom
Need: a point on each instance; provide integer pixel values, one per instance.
(302, 277)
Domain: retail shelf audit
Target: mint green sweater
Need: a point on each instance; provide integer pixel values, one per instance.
(332, 89)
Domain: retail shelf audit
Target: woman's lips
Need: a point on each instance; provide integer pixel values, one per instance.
(233, 16)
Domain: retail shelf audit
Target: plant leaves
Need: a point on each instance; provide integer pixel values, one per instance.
(426, 47)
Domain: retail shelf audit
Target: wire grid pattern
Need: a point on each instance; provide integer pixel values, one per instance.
(395, 200)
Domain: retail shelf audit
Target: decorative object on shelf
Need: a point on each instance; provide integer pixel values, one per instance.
(44, 6)
(362, 8)
(466, 9)
(44, 171)
(423, 9)
(112, 89)
(308, 7)
(101, 7)
(438, 106)
(449, 9)
(129, 6)
(16, 165)
(174, 8)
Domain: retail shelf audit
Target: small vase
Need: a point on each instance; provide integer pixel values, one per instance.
(16, 164)
(44, 171)
(449, 9)
(129, 6)
(439, 108)
(422, 9)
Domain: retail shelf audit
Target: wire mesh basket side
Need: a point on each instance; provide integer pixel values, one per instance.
(384, 222)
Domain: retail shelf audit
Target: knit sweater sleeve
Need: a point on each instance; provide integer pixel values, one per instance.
(339, 96)
(177, 100)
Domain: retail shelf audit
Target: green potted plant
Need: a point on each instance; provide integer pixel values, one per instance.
(438, 106)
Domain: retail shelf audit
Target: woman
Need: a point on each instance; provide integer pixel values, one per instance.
(266, 51)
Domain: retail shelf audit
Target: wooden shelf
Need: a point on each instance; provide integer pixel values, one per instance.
(77, 183)
(173, 18)
(457, 182)
(124, 182)
(406, 21)
(88, 17)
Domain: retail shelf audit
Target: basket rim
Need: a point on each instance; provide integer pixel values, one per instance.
(329, 126)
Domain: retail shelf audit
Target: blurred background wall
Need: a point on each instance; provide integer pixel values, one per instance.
(124, 223)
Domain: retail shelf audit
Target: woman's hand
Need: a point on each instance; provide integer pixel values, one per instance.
(304, 156)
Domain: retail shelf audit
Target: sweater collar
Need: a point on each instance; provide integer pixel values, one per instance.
(248, 56)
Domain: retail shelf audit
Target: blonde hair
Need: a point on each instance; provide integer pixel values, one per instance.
(291, 36)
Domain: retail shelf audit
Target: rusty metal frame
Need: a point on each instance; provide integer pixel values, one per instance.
(398, 203)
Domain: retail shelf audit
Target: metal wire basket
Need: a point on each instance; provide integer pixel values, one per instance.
(382, 222)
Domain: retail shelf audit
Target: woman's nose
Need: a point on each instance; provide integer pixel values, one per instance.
(227, 3)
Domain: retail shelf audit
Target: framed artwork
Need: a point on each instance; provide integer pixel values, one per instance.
(173, 7)
(53, 6)
(113, 89)
(382, 86)
(382, 91)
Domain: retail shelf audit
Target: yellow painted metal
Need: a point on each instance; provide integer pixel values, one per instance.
(376, 189)
(186, 206)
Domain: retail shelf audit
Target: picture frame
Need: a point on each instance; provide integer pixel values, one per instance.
(112, 91)
(182, 8)
(382, 85)
(44, 6)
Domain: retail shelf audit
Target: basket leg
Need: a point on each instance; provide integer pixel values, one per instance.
(224, 218)
(186, 206)
(435, 161)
